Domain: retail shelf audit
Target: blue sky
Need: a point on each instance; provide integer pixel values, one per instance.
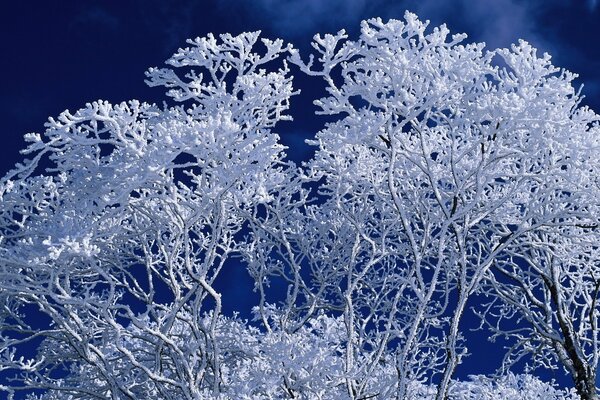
(59, 55)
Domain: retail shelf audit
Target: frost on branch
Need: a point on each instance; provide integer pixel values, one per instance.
(231, 76)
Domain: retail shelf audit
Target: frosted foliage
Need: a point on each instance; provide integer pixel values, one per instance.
(447, 173)
(306, 364)
(445, 160)
(121, 239)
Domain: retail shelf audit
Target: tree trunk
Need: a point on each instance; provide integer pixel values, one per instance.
(453, 356)
(584, 376)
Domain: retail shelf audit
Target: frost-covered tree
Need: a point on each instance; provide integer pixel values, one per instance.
(448, 171)
(447, 156)
(118, 244)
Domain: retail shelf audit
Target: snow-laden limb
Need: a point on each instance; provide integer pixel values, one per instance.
(232, 76)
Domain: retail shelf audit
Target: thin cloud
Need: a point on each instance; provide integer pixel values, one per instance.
(293, 18)
(497, 22)
(98, 17)
(174, 20)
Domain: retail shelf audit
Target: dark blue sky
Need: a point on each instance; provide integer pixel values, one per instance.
(62, 54)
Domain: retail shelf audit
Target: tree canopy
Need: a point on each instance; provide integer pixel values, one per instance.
(451, 179)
